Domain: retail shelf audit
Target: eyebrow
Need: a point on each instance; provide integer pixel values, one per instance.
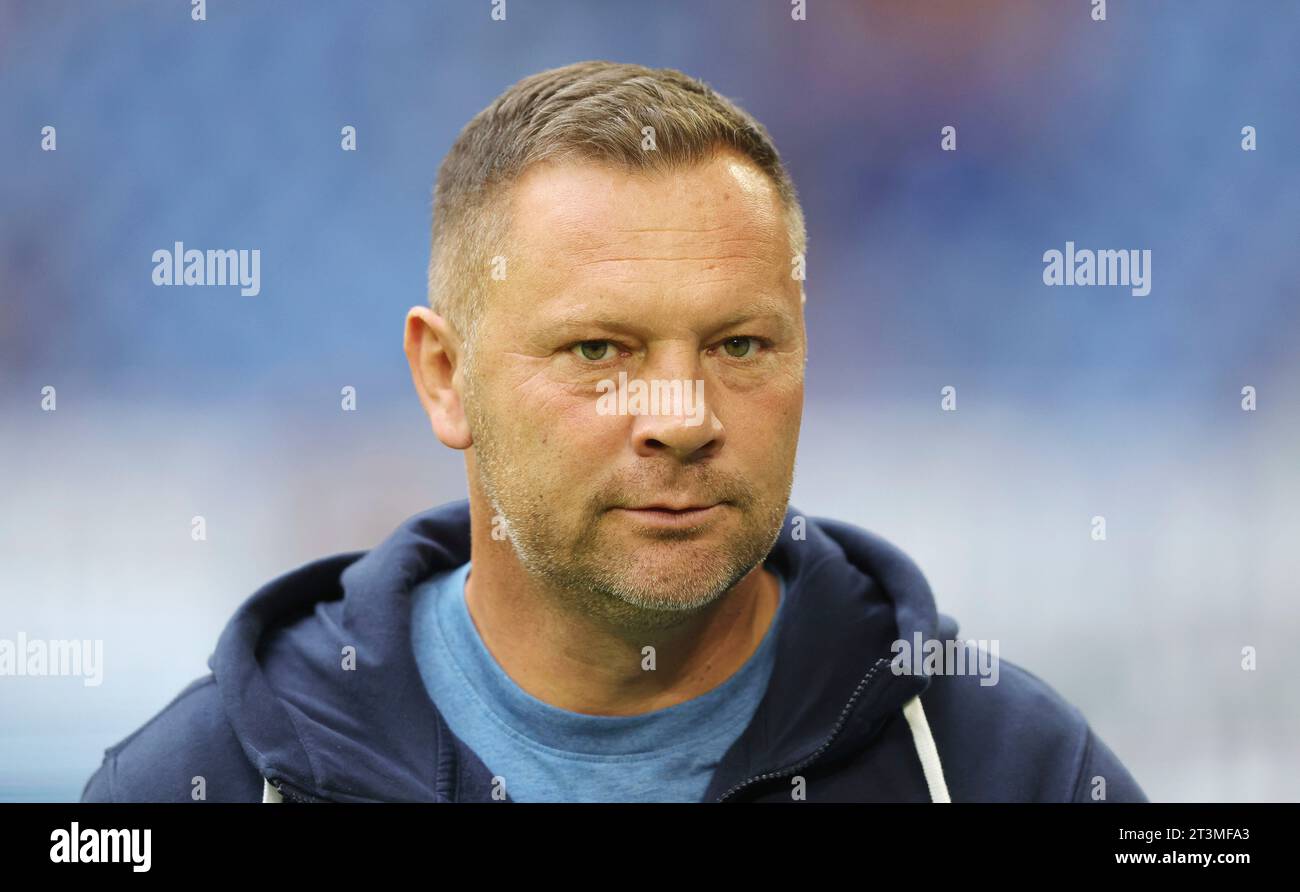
(766, 308)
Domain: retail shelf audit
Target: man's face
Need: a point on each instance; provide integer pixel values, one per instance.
(681, 277)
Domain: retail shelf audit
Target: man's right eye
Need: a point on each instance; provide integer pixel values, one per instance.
(594, 351)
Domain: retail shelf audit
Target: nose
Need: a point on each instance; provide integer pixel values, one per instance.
(679, 421)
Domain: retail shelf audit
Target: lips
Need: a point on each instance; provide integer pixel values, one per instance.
(674, 517)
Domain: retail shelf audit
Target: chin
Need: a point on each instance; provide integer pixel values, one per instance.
(677, 577)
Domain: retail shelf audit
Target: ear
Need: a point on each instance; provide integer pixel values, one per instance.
(434, 352)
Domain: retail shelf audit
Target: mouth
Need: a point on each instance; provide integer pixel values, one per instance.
(665, 515)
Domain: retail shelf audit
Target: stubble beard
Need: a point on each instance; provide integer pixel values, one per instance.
(658, 583)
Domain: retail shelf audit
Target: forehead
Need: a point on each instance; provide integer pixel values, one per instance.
(582, 209)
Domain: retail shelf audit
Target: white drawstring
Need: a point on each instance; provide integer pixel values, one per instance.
(926, 750)
(270, 793)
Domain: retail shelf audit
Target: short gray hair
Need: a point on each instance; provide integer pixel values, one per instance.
(588, 111)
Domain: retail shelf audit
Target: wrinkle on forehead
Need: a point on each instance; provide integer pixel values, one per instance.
(586, 207)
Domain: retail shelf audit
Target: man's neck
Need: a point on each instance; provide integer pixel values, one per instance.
(585, 664)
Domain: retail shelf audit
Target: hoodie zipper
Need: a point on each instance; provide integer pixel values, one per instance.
(289, 795)
(817, 754)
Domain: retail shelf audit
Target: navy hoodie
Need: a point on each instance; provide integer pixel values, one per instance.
(279, 719)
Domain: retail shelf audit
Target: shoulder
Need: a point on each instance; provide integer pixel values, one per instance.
(1015, 738)
(186, 752)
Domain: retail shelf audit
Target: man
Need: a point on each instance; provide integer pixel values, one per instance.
(626, 608)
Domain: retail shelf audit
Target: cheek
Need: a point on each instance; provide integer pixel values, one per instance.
(764, 436)
(766, 419)
(560, 428)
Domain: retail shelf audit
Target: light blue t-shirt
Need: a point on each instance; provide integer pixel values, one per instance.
(546, 754)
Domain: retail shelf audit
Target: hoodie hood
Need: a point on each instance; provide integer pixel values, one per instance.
(318, 679)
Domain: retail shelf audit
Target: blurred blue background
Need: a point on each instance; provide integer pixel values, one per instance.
(925, 270)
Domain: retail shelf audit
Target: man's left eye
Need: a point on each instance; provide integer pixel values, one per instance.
(738, 347)
(594, 351)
